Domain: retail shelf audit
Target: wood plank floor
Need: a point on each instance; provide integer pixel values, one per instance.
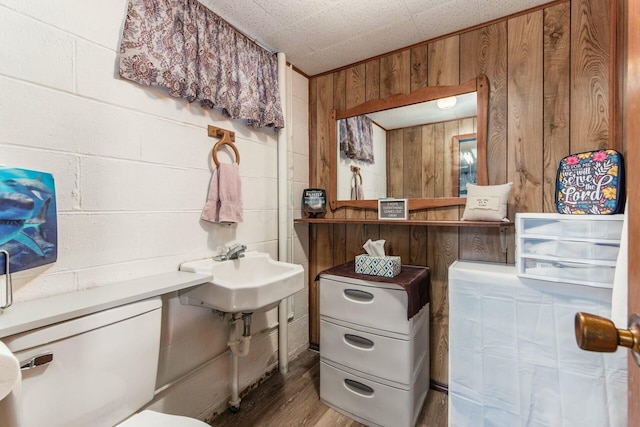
(293, 400)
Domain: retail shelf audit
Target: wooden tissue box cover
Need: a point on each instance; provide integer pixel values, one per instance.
(387, 266)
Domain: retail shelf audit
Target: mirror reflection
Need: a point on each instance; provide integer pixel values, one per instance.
(465, 149)
(406, 146)
(374, 145)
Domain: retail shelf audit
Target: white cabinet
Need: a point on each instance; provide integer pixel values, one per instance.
(578, 249)
(374, 362)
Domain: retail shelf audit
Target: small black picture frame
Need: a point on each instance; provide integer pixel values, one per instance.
(393, 209)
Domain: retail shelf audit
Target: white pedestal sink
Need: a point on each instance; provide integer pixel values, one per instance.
(255, 282)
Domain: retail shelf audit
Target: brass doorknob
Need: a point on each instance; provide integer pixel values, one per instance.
(595, 333)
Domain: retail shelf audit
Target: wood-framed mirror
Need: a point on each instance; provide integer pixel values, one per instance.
(472, 105)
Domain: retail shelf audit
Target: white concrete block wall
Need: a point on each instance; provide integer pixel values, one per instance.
(132, 168)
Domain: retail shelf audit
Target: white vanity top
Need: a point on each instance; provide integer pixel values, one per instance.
(21, 317)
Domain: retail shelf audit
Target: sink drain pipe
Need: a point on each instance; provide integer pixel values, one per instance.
(239, 346)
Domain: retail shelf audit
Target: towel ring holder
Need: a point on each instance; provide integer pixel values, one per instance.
(226, 138)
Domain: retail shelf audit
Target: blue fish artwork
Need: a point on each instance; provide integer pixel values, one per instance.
(28, 218)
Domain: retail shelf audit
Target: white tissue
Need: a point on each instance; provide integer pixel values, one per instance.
(374, 248)
(9, 371)
(620, 284)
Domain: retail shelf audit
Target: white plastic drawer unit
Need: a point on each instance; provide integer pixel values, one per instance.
(601, 227)
(374, 362)
(579, 249)
(373, 403)
(569, 272)
(383, 306)
(569, 249)
(372, 353)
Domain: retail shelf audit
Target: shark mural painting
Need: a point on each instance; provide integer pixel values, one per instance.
(28, 222)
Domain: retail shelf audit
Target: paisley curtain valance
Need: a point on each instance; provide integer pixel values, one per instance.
(356, 138)
(185, 47)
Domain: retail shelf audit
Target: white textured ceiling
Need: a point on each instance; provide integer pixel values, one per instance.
(321, 35)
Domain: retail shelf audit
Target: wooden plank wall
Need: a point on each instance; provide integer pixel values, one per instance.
(550, 95)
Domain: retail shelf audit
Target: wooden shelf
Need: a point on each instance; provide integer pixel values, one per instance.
(502, 226)
(423, 222)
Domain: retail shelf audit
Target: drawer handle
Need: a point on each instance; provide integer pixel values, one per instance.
(358, 388)
(358, 295)
(358, 341)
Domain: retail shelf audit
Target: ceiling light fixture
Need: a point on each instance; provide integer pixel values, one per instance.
(447, 103)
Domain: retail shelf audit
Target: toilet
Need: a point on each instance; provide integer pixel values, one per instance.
(95, 370)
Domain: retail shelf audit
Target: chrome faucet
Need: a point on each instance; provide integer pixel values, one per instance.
(234, 252)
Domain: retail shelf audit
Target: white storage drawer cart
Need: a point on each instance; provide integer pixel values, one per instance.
(577, 249)
(374, 344)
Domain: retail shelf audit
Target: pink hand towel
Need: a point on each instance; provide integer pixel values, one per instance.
(210, 211)
(224, 203)
(357, 192)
